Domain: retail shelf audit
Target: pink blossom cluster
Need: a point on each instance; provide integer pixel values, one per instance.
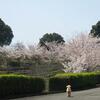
(80, 54)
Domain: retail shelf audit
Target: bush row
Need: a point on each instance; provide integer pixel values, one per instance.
(77, 81)
(12, 85)
(97, 77)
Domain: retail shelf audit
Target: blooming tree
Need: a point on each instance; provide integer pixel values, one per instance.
(77, 55)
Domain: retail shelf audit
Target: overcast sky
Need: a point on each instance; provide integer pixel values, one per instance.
(30, 19)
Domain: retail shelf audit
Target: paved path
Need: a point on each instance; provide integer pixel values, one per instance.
(91, 94)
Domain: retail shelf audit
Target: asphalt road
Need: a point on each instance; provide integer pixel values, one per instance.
(91, 94)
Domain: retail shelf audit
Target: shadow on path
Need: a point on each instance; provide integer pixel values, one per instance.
(91, 94)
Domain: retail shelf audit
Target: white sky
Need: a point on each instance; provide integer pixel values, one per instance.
(30, 19)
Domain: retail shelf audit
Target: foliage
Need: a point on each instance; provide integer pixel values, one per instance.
(77, 81)
(52, 37)
(98, 77)
(81, 54)
(11, 85)
(95, 31)
(6, 34)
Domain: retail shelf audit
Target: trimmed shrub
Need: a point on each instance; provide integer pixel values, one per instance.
(57, 84)
(98, 77)
(12, 85)
(77, 81)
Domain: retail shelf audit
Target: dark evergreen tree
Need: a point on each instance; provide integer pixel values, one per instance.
(95, 31)
(51, 38)
(6, 34)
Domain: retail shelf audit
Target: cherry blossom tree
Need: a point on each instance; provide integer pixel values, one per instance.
(80, 54)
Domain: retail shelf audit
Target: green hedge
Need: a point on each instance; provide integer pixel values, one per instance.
(77, 81)
(11, 85)
(98, 77)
